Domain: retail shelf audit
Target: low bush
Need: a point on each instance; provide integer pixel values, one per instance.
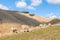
(31, 14)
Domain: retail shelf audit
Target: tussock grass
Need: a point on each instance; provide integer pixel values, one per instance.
(51, 33)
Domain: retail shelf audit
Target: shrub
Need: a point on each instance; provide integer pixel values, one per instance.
(25, 12)
(31, 14)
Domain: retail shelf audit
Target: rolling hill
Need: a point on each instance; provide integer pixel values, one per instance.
(9, 19)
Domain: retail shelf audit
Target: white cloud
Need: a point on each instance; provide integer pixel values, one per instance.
(3, 7)
(30, 7)
(52, 15)
(36, 2)
(21, 4)
(53, 1)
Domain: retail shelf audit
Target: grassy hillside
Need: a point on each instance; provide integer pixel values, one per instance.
(19, 20)
(9, 19)
(51, 33)
(55, 21)
(16, 17)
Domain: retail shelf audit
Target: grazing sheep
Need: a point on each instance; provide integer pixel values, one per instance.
(14, 30)
(26, 28)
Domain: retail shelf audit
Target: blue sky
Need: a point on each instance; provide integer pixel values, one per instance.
(46, 8)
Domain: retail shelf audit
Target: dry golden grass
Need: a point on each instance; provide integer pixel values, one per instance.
(51, 33)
